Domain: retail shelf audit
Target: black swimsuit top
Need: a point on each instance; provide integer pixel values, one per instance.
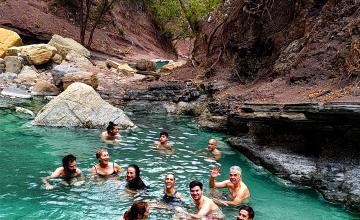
(170, 199)
(113, 174)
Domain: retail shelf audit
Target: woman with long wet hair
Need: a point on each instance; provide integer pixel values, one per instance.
(138, 211)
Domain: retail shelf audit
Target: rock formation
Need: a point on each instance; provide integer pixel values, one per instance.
(80, 106)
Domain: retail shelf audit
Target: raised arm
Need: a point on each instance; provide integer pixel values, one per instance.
(215, 172)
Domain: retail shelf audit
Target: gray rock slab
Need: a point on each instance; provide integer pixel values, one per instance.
(13, 91)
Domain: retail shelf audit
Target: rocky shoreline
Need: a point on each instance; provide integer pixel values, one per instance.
(309, 143)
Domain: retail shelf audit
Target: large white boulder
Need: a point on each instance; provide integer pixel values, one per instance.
(80, 106)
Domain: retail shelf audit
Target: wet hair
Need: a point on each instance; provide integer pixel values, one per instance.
(164, 133)
(237, 168)
(137, 170)
(111, 126)
(136, 211)
(170, 174)
(194, 183)
(99, 152)
(248, 209)
(136, 183)
(66, 160)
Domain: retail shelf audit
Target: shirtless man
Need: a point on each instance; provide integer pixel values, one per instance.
(238, 191)
(212, 147)
(163, 141)
(111, 135)
(207, 208)
(68, 171)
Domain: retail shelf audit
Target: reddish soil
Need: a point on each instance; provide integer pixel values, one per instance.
(127, 32)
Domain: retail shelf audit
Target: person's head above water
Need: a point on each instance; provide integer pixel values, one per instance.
(212, 144)
(112, 129)
(102, 155)
(138, 211)
(163, 137)
(69, 164)
(196, 190)
(132, 173)
(245, 213)
(169, 181)
(235, 174)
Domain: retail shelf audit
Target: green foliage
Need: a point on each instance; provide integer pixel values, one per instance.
(176, 20)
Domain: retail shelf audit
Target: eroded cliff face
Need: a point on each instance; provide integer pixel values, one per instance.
(127, 31)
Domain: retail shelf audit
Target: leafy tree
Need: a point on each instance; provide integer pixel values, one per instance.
(181, 17)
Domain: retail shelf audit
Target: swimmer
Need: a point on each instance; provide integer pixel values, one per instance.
(207, 208)
(212, 148)
(163, 141)
(138, 211)
(134, 182)
(238, 191)
(245, 213)
(68, 171)
(105, 168)
(170, 194)
(111, 135)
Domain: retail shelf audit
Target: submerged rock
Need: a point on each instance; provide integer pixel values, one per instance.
(80, 106)
(25, 111)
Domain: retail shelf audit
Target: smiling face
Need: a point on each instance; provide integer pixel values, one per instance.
(169, 181)
(234, 176)
(196, 193)
(104, 157)
(243, 215)
(130, 174)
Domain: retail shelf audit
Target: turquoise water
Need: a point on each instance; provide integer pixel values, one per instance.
(30, 153)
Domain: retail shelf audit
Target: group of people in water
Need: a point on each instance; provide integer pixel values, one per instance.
(208, 208)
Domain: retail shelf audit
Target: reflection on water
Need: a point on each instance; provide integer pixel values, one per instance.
(30, 153)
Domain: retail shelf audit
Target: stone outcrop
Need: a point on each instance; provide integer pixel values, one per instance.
(65, 45)
(84, 77)
(77, 60)
(2, 65)
(16, 92)
(44, 88)
(172, 65)
(60, 70)
(125, 69)
(35, 54)
(307, 143)
(145, 65)
(80, 106)
(13, 64)
(8, 39)
(28, 75)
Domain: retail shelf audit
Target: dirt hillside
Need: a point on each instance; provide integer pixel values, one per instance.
(127, 31)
